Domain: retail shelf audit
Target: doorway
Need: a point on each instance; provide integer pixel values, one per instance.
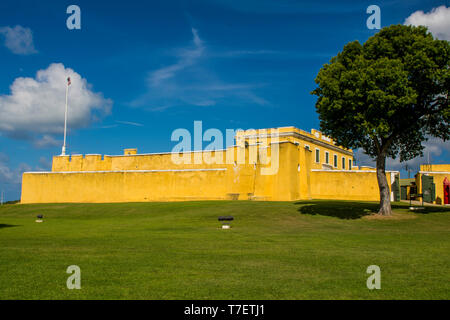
(446, 191)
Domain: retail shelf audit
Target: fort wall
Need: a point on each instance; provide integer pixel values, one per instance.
(242, 172)
(346, 185)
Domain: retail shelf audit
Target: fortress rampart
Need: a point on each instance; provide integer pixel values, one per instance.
(290, 164)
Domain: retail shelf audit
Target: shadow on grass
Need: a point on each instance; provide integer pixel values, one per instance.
(431, 209)
(353, 209)
(2, 225)
(338, 209)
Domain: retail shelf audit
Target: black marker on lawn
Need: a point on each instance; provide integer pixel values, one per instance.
(39, 218)
(225, 223)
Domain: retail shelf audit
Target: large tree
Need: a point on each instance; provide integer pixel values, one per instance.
(387, 96)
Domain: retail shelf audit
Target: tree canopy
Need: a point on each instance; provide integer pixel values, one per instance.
(388, 94)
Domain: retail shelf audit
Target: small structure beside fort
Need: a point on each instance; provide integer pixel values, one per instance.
(281, 164)
(433, 183)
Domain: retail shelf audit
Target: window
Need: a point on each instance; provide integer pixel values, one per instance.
(317, 155)
(349, 164)
(327, 157)
(343, 163)
(335, 161)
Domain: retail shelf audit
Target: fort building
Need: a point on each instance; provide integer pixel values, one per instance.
(279, 164)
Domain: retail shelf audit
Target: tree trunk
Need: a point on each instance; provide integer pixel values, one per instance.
(385, 199)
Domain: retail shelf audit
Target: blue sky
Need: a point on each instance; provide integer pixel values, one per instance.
(146, 68)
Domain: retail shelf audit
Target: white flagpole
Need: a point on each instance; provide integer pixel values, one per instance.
(63, 153)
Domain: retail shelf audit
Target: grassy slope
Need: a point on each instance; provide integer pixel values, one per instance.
(275, 250)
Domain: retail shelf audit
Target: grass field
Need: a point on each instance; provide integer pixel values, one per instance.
(275, 250)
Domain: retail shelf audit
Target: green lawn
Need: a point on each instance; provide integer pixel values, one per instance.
(275, 250)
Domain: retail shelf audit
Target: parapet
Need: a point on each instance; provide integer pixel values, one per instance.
(78, 162)
(129, 151)
(435, 168)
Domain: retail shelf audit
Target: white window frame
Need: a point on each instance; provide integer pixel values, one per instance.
(315, 155)
(335, 160)
(343, 163)
(327, 157)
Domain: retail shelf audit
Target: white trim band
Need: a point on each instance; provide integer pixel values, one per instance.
(334, 170)
(354, 170)
(132, 171)
(435, 172)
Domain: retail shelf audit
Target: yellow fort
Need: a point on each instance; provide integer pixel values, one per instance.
(281, 164)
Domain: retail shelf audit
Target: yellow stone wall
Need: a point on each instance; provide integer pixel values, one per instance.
(124, 186)
(237, 173)
(346, 185)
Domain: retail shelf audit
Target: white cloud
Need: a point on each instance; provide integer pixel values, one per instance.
(44, 164)
(18, 39)
(130, 123)
(188, 82)
(187, 58)
(6, 175)
(47, 141)
(11, 176)
(35, 106)
(437, 21)
(434, 149)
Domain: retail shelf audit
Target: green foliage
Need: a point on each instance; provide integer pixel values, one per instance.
(387, 95)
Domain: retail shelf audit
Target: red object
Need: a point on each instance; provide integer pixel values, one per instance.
(446, 191)
(68, 81)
